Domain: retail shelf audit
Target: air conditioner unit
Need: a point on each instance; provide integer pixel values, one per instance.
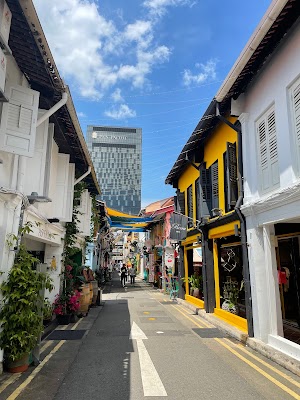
(5, 21)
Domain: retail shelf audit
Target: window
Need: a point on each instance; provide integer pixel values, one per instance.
(267, 150)
(209, 189)
(295, 100)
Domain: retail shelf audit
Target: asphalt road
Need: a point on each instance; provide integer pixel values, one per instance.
(140, 345)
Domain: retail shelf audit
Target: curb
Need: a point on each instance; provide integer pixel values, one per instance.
(284, 360)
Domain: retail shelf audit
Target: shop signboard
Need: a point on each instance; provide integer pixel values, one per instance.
(178, 230)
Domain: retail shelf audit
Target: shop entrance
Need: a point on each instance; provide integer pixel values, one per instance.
(288, 265)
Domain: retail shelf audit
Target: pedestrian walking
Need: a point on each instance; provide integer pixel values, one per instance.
(110, 270)
(123, 275)
(132, 274)
(120, 265)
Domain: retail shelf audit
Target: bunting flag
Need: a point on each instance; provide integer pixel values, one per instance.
(127, 222)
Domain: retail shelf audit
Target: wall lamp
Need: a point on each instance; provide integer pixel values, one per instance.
(35, 198)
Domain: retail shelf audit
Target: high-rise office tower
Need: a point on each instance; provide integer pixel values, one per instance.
(117, 156)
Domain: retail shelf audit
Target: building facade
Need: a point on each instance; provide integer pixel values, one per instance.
(117, 155)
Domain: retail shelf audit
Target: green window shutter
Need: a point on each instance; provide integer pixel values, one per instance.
(215, 185)
(231, 176)
(181, 202)
(190, 208)
(205, 191)
(197, 193)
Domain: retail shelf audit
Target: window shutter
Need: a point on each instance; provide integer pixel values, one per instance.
(61, 190)
(273, 148)
(70, 194)
(268, 151)
(197, 193)
(48, 160)
(175, 203)
(205, 192)
(35, 166)
(231, 175)
(263, 152)
(181, 202)
(190, 208)
(18, 122)
(215, 185)
(296, 108)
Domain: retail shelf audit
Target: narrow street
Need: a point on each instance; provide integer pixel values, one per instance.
(141, 345)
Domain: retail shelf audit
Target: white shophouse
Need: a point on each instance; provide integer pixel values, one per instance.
(265, 80)
(42, 149)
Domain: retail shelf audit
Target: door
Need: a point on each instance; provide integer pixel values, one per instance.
(289, 277)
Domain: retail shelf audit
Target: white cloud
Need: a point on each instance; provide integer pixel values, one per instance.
(81, 114)
(116, 95)
(208, 72)
(159, 7)
(122, 112)
(93, 53)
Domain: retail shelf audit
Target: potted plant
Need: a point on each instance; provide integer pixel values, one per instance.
(231, 294)
(47, 312)
(65, 306)
(21, 316)
(196, 285)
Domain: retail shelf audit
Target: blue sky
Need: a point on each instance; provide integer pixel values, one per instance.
(152, 64)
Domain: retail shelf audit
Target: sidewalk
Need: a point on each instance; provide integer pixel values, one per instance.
(266, 350)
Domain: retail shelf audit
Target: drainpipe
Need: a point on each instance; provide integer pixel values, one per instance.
(237, 208)
(83, 176)
(53, 109)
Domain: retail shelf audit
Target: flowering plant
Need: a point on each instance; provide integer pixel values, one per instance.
(66, 303)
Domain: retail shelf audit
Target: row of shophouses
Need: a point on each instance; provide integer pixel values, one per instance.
(238, 182)
(46, 173)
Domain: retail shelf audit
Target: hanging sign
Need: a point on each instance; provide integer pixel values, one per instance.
(178, 227)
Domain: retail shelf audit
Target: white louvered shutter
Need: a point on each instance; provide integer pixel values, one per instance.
(268, 150)
(70, 194)
(295, 94)
(273, 149)
(18, 121)
(61, 190)
(35, 166)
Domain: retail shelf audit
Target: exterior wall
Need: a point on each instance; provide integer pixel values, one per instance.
(264, 209)
(271, 87)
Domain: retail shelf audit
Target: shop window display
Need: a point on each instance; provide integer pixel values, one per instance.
(231, 280)
(195, 279)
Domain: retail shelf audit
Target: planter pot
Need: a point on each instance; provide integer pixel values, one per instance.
(19, 365)
(232, 308)
(64, 319)
(196, 293)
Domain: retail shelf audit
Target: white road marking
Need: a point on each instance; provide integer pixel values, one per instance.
(152, 384)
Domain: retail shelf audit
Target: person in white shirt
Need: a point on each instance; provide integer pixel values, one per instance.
(132, 274)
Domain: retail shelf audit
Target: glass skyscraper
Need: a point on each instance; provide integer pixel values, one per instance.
(117, 156)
